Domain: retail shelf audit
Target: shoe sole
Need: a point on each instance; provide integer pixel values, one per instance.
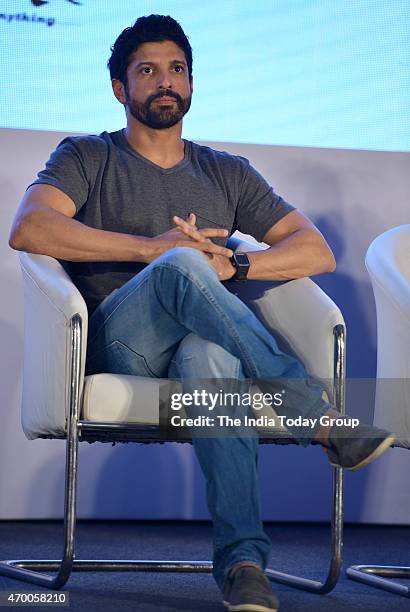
(379, 450)
(248, 608)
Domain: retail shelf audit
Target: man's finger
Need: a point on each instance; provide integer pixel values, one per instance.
(199, 234)
(191, 219)
(190, 231)
(210, 247)
(211, 232)
(205, 233)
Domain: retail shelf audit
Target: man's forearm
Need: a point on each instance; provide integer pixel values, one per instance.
(49, 232)
(303, 253)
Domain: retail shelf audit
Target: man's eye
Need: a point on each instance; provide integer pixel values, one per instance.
(147, 70)
(179, 68)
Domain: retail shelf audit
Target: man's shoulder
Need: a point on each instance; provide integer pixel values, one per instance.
(89, 144)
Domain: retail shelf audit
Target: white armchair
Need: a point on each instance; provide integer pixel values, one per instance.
(388, 264)
(59, 401)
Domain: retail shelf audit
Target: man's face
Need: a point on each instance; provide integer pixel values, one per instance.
(158, 91)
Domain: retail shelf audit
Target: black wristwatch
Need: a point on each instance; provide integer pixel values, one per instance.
(241, 263)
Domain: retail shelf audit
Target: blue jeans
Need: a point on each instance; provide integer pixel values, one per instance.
(175, 319)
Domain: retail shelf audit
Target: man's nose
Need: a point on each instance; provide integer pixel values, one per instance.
(164, 80)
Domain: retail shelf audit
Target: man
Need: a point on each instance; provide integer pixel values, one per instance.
(140, 218)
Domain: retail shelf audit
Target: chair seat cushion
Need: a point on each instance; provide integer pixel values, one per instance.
(120, 398)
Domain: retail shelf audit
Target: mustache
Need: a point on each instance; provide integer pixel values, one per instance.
(164, 94)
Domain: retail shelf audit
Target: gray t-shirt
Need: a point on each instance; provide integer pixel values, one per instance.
(116, 189)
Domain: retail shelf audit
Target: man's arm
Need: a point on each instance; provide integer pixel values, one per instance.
(297, 249)
(44, 224)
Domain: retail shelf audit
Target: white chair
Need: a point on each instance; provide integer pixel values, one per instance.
(388, 264)
(58, 401)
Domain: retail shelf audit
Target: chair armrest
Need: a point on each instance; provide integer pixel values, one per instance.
(50, 301)
(298, 313)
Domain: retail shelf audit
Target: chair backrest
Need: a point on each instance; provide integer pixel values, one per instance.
(388, 264)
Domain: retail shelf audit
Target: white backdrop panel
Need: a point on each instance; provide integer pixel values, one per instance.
(352, 196)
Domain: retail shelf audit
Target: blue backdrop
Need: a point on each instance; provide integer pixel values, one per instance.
(290, 72)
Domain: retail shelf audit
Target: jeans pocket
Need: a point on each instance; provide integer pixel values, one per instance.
(118, 358)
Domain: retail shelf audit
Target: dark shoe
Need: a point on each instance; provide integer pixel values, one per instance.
(247, 589)
(353, 448)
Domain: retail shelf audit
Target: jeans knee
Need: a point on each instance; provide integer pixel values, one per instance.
(189, 260)
(197, 355)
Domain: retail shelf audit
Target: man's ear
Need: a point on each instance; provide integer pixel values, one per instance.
(119, 90)
(191, 83)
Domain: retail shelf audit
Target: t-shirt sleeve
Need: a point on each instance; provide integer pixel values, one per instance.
(66, 170)
(259, 207)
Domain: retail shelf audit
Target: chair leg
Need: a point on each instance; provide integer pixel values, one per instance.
(315, 586)
(30, 570)
(376, 576)
(339, 394)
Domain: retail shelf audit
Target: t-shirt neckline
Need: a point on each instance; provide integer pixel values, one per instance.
(187, 155)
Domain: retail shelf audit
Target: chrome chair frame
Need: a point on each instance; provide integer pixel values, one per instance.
(376, 576)
(77, 430)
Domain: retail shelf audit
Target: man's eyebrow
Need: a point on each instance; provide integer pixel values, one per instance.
(147, 63)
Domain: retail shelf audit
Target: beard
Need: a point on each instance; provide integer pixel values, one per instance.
(156, 116)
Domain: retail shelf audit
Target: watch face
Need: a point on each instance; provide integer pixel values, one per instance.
(241, 262)
(242, 259)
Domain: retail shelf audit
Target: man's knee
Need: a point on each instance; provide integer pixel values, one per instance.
(206, 359)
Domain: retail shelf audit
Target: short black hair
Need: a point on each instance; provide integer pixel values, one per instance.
(153, 28)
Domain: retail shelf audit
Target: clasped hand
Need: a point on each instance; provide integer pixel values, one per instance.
(187, 232)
